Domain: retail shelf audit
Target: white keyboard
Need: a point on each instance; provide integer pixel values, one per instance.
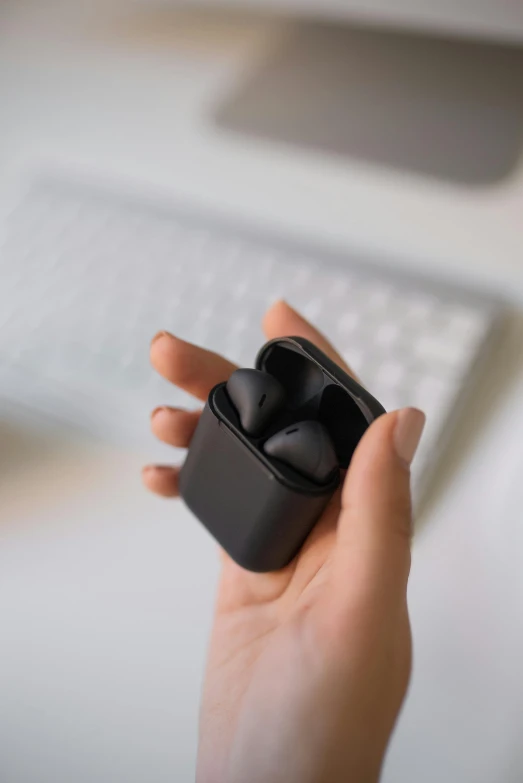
(88, 277)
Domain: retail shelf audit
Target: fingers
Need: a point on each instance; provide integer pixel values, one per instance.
(194, 370)
(281, 320)
(372, 555)
(189, 367)
(174, 426)
(162, 480)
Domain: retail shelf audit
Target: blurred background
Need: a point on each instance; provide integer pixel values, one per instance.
(181, 166)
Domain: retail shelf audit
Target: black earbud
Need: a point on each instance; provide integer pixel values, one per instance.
(257, 397)
(306, 447)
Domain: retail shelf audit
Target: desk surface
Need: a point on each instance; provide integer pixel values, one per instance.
(105, 593)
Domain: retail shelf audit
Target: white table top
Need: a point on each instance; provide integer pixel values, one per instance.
(106, 593)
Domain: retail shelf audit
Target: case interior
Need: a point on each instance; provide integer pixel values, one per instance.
(313, 393)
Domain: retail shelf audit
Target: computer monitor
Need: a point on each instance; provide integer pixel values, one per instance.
(490, 19)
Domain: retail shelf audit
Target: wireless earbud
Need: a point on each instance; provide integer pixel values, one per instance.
(257, 397)
(306, 447)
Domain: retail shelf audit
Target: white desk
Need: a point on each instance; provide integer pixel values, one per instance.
(106, 593)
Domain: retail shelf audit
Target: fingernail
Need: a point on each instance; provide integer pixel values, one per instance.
(158, 410)
(158, 335)
(408, 432)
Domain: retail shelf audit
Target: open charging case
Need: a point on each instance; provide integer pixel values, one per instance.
(259, 509)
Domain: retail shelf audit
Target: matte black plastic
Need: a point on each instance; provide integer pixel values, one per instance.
(259, 521)
(346, 429)
(258, 508)
(307, 448)
(257, 396)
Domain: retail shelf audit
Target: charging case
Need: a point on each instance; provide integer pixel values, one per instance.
(257, 508)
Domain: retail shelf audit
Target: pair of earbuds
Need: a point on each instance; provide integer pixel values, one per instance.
(306, 446)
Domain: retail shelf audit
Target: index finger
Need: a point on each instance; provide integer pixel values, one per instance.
(191, 368)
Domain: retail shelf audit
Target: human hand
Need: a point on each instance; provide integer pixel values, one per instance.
(308, 667)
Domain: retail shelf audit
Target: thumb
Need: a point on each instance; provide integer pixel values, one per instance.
(372, 555)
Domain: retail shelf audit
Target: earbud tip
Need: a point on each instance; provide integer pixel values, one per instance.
(306, 447)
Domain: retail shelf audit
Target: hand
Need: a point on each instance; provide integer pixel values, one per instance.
(307, 667)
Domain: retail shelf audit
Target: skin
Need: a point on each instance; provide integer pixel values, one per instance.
(308, 667)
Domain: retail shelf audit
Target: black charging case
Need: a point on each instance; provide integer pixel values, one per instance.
(257, 508)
